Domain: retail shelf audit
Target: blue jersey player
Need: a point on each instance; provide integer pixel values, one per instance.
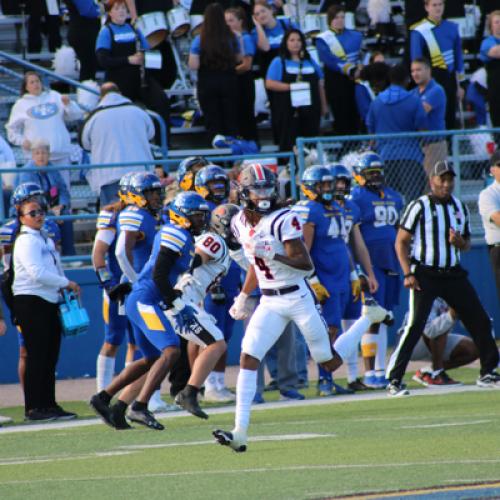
(380, 208)
(212, 182)
(158, 315)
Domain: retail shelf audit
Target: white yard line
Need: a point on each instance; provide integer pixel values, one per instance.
(444, 424)
(368, 396)
(257, 470)
(61, 458)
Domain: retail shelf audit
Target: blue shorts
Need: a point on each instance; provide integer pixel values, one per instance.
(334, 307)
(221, 313)
(352, 309)
(389, 286)
(152, 330)
(115, 324)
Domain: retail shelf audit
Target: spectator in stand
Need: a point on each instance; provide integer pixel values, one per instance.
(339, 49)
(38, 280)
(50, 12)
(117, 131)
(476, 96)
(54, 188)
(215, 54)
(373, 79)
(490, 55)
(7, 160)
(398, 110)
(439, 41)
(295, 111)
(237, 21)
(120, 51)
(41, 114)
(83, 28)
(433, 99)
(268, 34)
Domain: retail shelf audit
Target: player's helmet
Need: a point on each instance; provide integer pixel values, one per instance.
(124, 187)
(340, 172)
(220, 223)
(212, 183)
(146, 191)
(259, 181)
(190, 211)
(28, 191)
(312, 178)
(187, 170)
(370, 170)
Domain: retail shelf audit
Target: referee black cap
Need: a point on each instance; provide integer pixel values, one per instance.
(495, 159)
(442, 167)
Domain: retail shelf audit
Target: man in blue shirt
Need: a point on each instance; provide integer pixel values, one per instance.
(398, 110)
(439, 40)
(433, 99)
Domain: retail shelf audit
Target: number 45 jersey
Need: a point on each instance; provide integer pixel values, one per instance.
(279, 226)
(379, 218)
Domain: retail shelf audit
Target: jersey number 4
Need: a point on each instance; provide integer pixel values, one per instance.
(262, 266)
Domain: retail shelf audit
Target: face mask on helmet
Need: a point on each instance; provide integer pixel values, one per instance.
(199, 222)
(342, 188)
(218, 190)
(261, 199)
(154, 199)
(374, 178)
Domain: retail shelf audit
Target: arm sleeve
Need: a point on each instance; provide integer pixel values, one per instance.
(164, 263)
(121, 257)
(29, 251)
(411, 216)
(275, 70)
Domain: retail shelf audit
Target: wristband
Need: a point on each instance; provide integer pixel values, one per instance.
(408, 275)
(103, 275)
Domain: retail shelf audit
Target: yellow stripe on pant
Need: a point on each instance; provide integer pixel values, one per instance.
(149, 316)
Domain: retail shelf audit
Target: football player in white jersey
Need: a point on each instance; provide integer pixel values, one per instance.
(272, 242)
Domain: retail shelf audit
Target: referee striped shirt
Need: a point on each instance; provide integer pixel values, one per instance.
(429, 220)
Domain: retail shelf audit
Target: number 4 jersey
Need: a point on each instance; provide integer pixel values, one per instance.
(282, 225)
(379, 219)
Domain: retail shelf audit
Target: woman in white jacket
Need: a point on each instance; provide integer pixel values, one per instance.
(41, 114)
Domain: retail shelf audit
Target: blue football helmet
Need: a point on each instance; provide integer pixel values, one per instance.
(340, 172)
(258, 189)
(146, 191)
(212, 182)
(124, 187)
(187, 170)
(190, 211)
(369, 170)
(311, 184)
(29, 191)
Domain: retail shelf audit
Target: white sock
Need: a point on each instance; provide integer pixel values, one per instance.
(211, 382)
(245, 392)
(349, 341)
(156, 396)
(105, 371)
(219, 377)
(352, 367)
(381, 348)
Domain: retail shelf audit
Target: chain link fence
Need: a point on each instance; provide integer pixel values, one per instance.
(408, 158)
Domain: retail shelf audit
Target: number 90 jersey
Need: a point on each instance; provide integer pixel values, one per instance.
(195, 286)
(379, 219)
(279, 226)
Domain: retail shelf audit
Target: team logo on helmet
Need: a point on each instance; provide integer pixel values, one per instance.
(257, 188)
(312, 184)
(212, 182)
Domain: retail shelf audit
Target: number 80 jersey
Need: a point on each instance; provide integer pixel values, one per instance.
(280, 226)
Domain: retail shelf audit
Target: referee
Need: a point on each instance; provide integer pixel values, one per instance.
(489, 208)
(433, 230)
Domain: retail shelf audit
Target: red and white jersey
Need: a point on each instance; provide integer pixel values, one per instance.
(280, 226)
(194, 286)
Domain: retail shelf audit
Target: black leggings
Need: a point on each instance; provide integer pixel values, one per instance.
(41, 330)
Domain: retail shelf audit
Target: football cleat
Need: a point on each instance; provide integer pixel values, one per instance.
(489, 380)
(101, 408)
(117, 418)
(358, 385)
(291, 395)
(235, 440)
(338, 390)
(144, 417)
(258, 399)
(397, 389)
(189, 402)
(325, 388)
(422, 377)
(374, 312)
(442, 379)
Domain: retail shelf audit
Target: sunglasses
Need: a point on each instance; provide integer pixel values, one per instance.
(34, 213)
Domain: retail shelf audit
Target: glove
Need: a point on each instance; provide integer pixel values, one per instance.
(355, 286)
(119, 292)
(263, 249)
(177, 315)
(240, 308)
(319, 290)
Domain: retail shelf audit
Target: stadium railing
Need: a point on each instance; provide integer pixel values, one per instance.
(149, 165)
(468, 150)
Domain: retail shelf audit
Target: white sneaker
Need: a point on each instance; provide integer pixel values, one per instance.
(235, 440)
(374, 312)
(231, 396)
(157, 405)
(5, 420)
(218, 396)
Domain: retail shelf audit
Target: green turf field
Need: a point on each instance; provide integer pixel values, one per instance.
(302, 452)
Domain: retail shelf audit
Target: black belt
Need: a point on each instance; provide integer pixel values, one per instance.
(280, 291)
(441, 270)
